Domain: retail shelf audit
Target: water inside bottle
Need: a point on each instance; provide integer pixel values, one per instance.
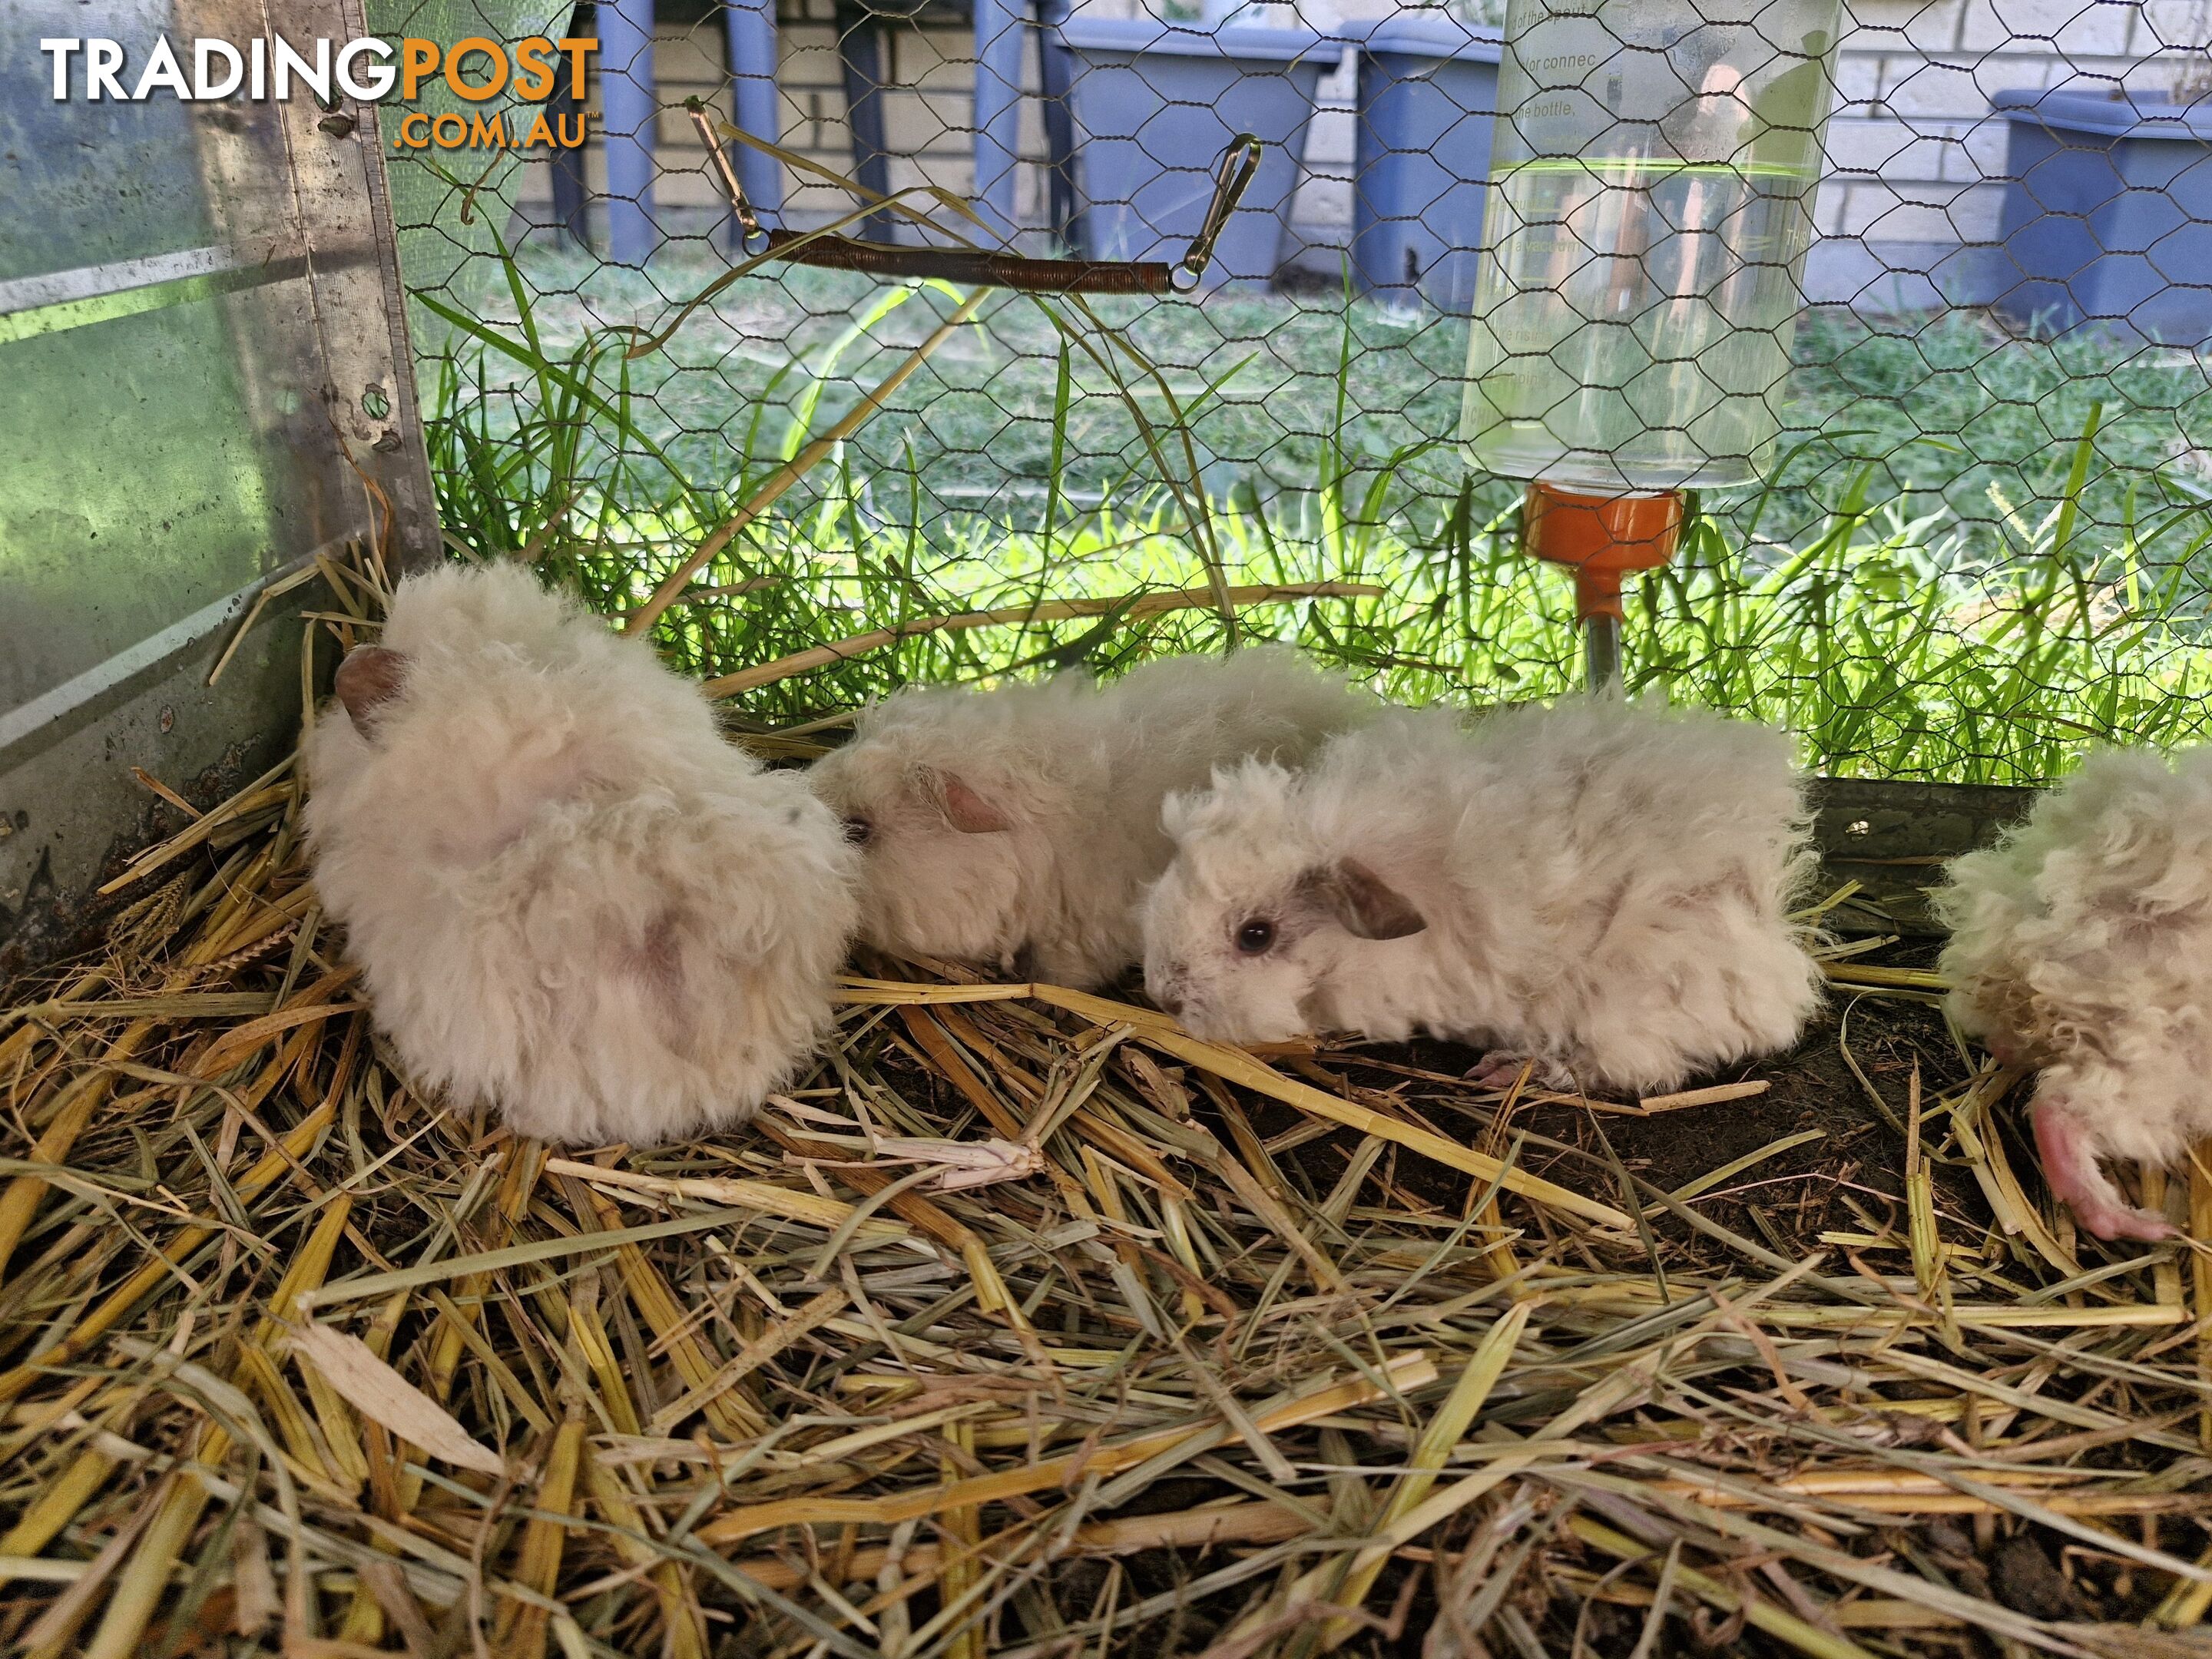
(1633, 324)
(1653, 168)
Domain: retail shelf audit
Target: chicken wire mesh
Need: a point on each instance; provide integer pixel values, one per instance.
(1960, 533)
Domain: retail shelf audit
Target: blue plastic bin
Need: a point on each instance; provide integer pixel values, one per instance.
(1154, 106)
(2108, 218)
(1428, 91)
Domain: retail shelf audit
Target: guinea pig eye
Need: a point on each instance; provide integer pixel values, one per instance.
(859, 830)
(1255, 936)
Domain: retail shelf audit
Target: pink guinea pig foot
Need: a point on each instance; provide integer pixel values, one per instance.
(2070, 1164)
(1501, 1069)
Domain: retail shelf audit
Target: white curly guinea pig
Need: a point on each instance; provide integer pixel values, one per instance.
(2082, 945)
(1022, 822)
(570, 898)
(1600, 887)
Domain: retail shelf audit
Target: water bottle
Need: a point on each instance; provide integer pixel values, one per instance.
(1650, 207)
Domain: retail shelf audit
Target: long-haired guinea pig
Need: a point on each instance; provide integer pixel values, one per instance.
(1023, 822)
(2082, 945)
(1599, 887)
(570, 898)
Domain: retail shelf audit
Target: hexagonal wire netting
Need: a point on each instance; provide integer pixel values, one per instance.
(1948, 474)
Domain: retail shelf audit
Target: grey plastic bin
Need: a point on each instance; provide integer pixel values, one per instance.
(1428, 92)
(2108, 218)
(1154, 105)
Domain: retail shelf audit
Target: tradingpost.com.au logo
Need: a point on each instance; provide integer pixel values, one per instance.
(476, 70)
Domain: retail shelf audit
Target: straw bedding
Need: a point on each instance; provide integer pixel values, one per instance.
(1029, 1326)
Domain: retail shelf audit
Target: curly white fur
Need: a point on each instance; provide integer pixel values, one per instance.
(571, 899)
(2082, 943)
(1026, 819)
(1600, 887)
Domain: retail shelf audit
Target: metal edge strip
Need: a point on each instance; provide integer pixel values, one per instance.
(29, 720)
(101, 300)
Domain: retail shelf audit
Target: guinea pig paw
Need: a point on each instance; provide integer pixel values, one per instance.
(2069, 1164)
(1501, 1069)
(2113, 1221)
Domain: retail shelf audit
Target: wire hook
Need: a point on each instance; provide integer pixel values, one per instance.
(753, 237)
(1232, 174)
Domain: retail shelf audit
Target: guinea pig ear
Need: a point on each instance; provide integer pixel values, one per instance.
(1365, 905)
(969, 813)
(368, 677)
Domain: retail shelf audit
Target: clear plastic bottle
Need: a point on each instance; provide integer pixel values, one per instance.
(1650, 207)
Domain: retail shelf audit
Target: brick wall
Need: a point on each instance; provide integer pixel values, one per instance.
(1917, 163)
(1916, 160)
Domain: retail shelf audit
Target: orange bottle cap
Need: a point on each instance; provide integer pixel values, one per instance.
(1600, 537)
